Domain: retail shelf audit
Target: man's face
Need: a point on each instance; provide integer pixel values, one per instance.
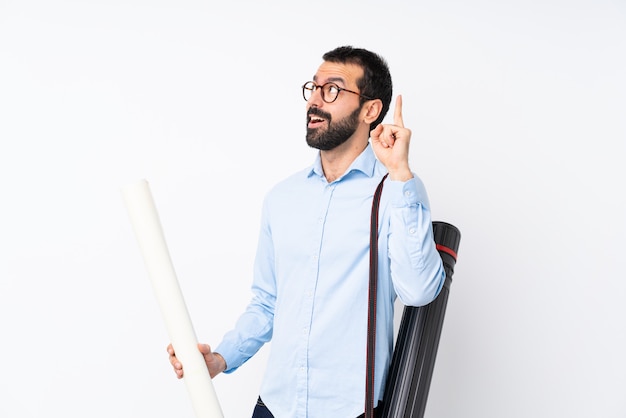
(331, 124)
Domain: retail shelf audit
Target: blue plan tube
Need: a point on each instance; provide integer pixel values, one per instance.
(413, 360)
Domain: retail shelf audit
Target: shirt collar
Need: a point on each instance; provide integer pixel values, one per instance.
(365, 163)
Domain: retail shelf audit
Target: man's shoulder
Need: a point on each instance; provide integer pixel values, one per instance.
(288, 187)
(297, 179)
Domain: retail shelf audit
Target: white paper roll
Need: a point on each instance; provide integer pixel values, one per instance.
(149, 233)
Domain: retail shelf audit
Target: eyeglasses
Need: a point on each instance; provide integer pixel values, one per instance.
(330, 91)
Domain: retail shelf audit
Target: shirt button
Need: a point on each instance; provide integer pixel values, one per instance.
(407, 193)
(412, 231)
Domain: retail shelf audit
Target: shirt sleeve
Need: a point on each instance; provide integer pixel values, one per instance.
(416, 268)
(254, 327)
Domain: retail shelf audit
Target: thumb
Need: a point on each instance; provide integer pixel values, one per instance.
(377, 131)
(204, 349)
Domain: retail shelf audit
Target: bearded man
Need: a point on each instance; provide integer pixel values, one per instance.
(311, 271)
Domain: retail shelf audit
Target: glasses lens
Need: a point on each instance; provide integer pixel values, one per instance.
(307, 90)
(330, 92)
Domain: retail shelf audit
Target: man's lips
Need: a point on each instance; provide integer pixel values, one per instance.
(315, 119)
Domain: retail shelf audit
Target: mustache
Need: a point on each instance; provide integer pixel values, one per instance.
(317, 112)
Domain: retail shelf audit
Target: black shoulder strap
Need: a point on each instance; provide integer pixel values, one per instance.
(371, 313)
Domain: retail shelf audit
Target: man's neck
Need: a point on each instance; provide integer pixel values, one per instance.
(335, 162)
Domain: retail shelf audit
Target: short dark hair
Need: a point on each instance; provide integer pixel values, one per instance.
(376, 81)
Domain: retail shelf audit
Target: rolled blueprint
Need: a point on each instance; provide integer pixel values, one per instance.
(413, 361)
(147, 228)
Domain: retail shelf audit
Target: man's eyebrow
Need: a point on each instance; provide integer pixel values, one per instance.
(332, 80)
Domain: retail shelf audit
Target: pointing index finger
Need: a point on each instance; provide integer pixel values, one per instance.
(397, 116)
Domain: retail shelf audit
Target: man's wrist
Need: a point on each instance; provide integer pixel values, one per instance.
(222, 361)
(400, 175)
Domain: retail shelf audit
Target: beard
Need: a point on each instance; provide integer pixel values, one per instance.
(335, 134)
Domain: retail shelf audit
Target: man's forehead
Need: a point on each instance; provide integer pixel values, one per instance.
(338, 72)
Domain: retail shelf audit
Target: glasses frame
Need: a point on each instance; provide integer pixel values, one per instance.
(317, 86)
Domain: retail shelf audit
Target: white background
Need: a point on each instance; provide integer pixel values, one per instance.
(518, 116)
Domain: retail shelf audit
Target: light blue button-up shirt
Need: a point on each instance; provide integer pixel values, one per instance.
(310, 286)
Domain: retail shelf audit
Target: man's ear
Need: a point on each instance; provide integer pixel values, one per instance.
(371, 110)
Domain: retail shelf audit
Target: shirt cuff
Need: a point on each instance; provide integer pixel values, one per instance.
(407, 193)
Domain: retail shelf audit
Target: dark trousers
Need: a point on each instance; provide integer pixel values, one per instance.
(261, 411)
